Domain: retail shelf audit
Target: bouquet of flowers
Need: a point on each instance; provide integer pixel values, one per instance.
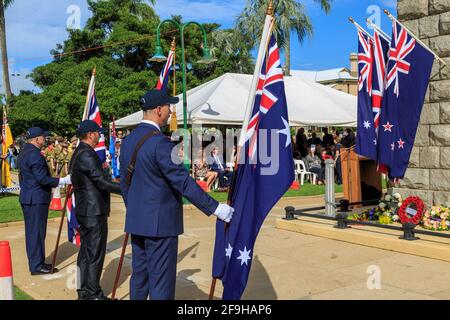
(437, 218)
(385, 212)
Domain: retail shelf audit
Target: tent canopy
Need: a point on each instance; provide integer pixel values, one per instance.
(222, 101)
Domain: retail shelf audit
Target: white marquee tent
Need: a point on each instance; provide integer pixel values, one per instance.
(222, 101)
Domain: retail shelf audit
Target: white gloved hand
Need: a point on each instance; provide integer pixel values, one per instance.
(64, 181)
(224, 212)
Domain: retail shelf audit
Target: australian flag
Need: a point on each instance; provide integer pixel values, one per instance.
(366, 140)
(407, 78)
(163, 79)
(259, 184)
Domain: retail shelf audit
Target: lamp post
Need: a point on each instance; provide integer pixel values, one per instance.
(206, 59)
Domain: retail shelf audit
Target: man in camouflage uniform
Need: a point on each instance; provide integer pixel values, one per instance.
(49, 154)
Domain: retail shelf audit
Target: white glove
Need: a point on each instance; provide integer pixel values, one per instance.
(224, 212)
(64, 181)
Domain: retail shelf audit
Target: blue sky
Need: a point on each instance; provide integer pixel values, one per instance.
(34, 27)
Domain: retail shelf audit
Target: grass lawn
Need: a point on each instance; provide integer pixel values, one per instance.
(10, 209)
(20, 295)
(305, 190)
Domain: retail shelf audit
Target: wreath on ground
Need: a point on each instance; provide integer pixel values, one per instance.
(411, 210)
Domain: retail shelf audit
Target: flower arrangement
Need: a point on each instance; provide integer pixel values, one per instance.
(385, 212)
(437, 218)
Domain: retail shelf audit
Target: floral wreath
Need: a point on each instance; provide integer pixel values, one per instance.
(420, 206)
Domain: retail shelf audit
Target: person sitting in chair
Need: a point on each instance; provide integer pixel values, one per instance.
(216, 165)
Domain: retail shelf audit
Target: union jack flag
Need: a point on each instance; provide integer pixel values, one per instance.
(163, 79)
(271, 73)
(365, 62)
(403, 46)
(94, 114)
(72, 223)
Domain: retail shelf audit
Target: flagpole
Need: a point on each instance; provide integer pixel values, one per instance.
(393, 19)
(268, 24)
(359, 27)
(63, 213)
(382, 33)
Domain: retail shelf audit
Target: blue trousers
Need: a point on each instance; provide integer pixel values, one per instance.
(35, 217)
(154, 264)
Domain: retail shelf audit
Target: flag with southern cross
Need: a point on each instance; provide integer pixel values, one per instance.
(366, 139)
(407, 77)
(259, 183)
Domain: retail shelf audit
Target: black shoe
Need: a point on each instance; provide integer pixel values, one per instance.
(44, 270)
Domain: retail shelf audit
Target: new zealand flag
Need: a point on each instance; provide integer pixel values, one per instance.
(407, 78)
(259, 183)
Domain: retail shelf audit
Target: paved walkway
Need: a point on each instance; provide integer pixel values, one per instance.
(286, 265)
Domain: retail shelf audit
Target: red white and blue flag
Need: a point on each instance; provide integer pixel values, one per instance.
(259, 183)
(366, 139)
(407, 78)
(163, 79)
(94, 114)
(72, 223)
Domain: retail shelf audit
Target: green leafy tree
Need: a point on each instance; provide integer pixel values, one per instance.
(123, 33)
(290, 16)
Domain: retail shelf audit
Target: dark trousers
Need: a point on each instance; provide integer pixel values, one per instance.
(154, 264)
(35, 217)
(222, 181)
(93, 237)
(339, 171)
(319, 171)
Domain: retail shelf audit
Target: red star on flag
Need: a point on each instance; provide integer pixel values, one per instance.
(387, 127)
(400, 143)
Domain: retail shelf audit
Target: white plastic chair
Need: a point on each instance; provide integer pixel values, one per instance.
(300, 169)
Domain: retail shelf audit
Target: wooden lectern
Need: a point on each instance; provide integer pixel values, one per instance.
(360, 179)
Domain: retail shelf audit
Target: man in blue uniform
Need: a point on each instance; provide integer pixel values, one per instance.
(153, 192)
(35, 194)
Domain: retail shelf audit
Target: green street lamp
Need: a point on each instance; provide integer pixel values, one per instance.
(206, 59)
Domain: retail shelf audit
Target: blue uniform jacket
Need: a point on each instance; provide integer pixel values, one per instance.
(35, 181)
(154, 199)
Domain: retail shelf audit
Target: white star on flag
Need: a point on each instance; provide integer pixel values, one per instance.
(228, 251)
(366, 124)
(287, 132)
(392, 146)
(388, 127)
(245, 256)
(400, 143)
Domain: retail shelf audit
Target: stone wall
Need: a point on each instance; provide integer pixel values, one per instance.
(428, 175)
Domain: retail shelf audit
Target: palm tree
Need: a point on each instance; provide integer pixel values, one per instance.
(290, 17)
(4, 4)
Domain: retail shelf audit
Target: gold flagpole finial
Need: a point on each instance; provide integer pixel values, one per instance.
(351, 20)
(173, 45)
(94, 71)
(270, 10)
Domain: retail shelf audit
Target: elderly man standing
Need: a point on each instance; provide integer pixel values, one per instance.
(92, 189)
(153, 185)
(35, 194)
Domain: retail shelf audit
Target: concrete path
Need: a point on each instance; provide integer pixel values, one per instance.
(286, 265)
